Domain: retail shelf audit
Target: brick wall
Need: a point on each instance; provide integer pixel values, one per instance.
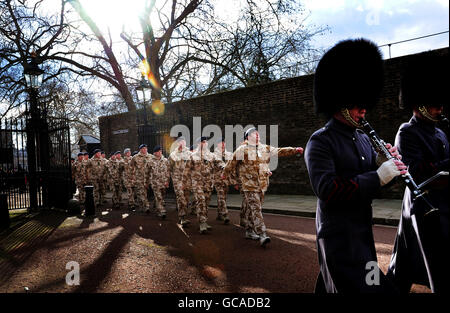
(287, 103)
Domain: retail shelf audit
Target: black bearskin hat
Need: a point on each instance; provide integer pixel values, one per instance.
(349, 74)
(424, 81)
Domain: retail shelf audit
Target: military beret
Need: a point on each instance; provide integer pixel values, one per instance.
(117, 152)
(200, 139)
(134, 153)
(103, 152)
(157, 148)
(97, 150)
(112, 154)
(142, 146)
(80, 154)
(126, 150)
(248, 132)
(85, 153)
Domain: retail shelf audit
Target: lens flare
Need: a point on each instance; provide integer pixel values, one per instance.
(147, 72)
(158, 107)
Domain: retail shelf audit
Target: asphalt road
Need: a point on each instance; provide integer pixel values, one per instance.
(134, 252)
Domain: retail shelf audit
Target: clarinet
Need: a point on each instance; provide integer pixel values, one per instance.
(380, 146)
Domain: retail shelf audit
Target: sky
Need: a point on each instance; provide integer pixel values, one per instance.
(381, 21)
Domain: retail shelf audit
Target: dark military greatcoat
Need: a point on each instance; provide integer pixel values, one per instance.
(425, 150)
(342, 170)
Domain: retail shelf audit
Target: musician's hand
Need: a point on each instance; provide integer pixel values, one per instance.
(401, 167)
(393, 150)
(388, 171)
(299, 150)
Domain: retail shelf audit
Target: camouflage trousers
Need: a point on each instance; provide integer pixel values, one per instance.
(222, 191)
(97, 192)
(130, 194)
(142, 198)
(116, 194)
(159, 193)
(255, 220)
(182, 196)
(81, 194)
(202, 196)
(244, 207)
(103, 187)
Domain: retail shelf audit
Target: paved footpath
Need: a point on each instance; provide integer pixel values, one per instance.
(385, 211)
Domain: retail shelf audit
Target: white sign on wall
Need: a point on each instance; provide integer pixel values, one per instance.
(120, 131)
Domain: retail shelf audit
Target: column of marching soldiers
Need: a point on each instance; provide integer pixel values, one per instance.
(348, 165)
(193, 171)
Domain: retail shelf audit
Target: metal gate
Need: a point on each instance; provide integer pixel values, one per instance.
(35, 166)
(14, 163)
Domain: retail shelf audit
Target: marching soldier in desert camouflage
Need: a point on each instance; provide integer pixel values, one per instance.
(191, 203)
(251, 161)
(116, 167)
(95, 170)
(199, 169)
(221, 156)
(104, 180)
(128, 178)
(79, 175)
(140, 168)
(159, 179)
(177, 163)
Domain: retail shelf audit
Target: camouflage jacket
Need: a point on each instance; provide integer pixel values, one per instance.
(105, 172)
(95, 169)
(79, 172)
(115, 170)
(251, 163)
(177, 163)
(127, 171)
(140, 168)
(199, 170)
(159, 174)
(220, 160)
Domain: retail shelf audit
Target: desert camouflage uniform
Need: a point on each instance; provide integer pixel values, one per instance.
(159, 180)
(177, 163)
(251, 162)
(96, 170)
(128, 180)
(220, 159)
(199, 169)
(104, 185)
(140, 164)
(79, 175)
(115, 169)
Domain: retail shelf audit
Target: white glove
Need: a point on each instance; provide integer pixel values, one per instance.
(387, 171)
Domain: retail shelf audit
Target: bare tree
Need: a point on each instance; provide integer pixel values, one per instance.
(25, 32)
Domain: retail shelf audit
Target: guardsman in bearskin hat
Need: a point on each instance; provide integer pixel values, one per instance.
(421, 248)
(343, 168)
